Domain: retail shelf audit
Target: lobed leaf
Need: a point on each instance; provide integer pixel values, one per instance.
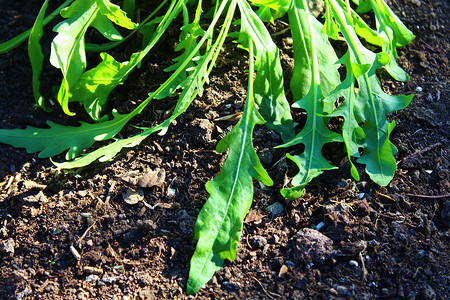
(315, 133)
(371, 105)
(193, 85)
(394, 34)
(59, 138)
(68, 47)
(269, 84)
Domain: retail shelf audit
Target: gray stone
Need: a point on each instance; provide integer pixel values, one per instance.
(275, 209)
(259, 241)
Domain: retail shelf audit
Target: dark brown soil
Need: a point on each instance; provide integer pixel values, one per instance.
(71, 235)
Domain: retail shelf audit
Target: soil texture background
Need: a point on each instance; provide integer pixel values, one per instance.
(72, 235)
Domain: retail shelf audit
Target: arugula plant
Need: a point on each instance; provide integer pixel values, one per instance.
(315, 84)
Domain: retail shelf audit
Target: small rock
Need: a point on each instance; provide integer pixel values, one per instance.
(201, 131)
(146, 225)
(428, 293)
(320, 226)
(266, 156)
(75, 253)
(92, 270)
(109, 278)
(89, 243)
(259, 241)
(144, 279)
(7, 246)
(231, 285)
(419, 89)
(342, 290)
(133, 197)
(92, 278)
(445, 214)
(275, 209)
(353, 263)
(311, 246)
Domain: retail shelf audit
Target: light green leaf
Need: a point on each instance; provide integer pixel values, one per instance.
(36, 56)
(58, 138)
(269, 84)
(372, 105)
(278, 5)
(193, 86)
(95, 85)
(115, 14)
(68, 47)
(350, 126)
(220, 222)
(394, 34)
(326, 57)
(315, 134)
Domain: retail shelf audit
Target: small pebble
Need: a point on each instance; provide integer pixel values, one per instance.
(419, 89)
(259, 241)
(92, 278)
(275, 209)
(353, 263)
(320, 226)
(75, 253)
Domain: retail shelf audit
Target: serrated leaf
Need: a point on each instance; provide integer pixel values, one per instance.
(95, 85)
(372, 105)
(302, 34)
(115, 14)
(36, 56)
(269, 84)
(347, 109)
(220, 222)
(378, 151)
(394, 34)
(193, 85)
(315, 134)
(68, 47)
(59, 138)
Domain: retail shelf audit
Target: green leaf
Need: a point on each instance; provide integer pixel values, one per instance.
(220, 222)
(193, 85)
(95, 85)
(58, 138)
(326, 58)
(347, 109)
(36, 56)
(315, 134)
(278, 5)
(269, 84)
(378, 151)
(68, 52)
(372, 105)
(394, 34)
(115, 14)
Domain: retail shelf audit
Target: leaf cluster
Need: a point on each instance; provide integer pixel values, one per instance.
(315, 85)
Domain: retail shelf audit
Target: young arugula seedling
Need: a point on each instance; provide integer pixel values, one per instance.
(315, 86)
